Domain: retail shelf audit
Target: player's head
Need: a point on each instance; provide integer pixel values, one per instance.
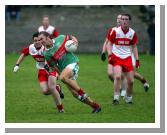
(34, 36)
(126, 18)
(45, 21)
(119, 20)
(45, 38)
(35, 40)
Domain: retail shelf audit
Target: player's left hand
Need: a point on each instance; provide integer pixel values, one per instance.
(137, 63)
(103, 56)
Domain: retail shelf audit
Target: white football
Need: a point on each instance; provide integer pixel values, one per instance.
(71, 46)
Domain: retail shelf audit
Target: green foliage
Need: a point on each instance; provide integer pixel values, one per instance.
(26, 104)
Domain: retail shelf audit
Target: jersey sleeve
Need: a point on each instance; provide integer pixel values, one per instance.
(134, 41)
(108, 34)
(112, 36)
(38, 29)
(55, 33)
(25, 51)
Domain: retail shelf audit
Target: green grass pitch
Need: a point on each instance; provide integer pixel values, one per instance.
(24, 102)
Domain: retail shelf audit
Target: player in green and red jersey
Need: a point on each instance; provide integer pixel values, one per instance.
(66, 64)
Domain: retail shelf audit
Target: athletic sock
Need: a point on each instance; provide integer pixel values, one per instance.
(95, 105)
(123, 93)
(81, 92)
(60, 107)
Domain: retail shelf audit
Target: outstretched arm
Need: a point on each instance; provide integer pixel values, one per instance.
(19, 60)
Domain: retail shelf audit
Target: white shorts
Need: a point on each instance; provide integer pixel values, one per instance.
(75, 69)
(133, 60)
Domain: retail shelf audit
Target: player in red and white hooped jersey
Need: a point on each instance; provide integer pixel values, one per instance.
(48, 28)
(123, 41)
(107, 48)
(47, 80)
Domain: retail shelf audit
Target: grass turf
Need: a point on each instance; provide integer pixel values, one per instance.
(24, 102)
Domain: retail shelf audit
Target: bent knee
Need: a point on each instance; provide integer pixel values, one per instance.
(63, 78)
(118, 78)
(46, 92)
(130, 81)
(110, 75)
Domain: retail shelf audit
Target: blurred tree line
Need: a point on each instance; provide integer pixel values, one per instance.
(148, 16)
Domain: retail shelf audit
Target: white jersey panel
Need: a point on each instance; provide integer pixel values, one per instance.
(122, 47)
(49, 30)
(38, 56)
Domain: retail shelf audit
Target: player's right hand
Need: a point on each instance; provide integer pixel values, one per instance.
(103, 56)
(16, 68)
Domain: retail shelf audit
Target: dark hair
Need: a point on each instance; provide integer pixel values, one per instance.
(130, 18)
(35, 35)
(46, 34)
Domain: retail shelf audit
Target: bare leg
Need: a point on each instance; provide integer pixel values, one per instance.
(130, 80)
(76, 90)
(117, 79)
(73, 92)
(142, 80)
(139, 77)
(123, 85)
(44, 87)
(55, 93)
(110, 72)
(117, 83)
(65, 78)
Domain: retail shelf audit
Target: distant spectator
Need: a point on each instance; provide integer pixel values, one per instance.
(47, 27)
(151, 33)
(13, 11)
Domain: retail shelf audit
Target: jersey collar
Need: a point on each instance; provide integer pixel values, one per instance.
(125, 31)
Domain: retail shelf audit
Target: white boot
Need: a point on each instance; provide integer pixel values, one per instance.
(128, 99)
